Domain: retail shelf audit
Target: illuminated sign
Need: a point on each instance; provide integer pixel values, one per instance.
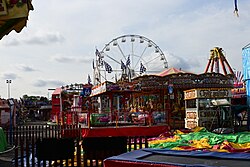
(98, 89)
(190, 94)
(207, 93)
(213, 93)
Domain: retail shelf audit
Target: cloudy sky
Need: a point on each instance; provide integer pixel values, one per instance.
(58, 45)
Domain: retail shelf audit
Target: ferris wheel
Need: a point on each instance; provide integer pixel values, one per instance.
(126, 57)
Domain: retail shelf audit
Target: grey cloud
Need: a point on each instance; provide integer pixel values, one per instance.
(25, 68)
(86, 60)
(9, 76)
(40, 83)
(11, 42)
(46, 83)
(68, 59)
(40, 38)
(179, 62)
(45, 38)
(63, 59)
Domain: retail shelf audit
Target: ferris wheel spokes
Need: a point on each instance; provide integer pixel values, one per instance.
(121, 51)
(133, 51)
(145, 48)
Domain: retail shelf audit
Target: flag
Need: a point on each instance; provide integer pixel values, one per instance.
(123, 67)
(108, 68)
(128, 61)
(97, 53)
(142, 69)
(93, 64)
(89, 80)
(100, 57)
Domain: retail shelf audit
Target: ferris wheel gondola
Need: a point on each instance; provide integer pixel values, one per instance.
(126, 57)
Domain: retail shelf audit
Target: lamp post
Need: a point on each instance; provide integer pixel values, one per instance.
(8, 81)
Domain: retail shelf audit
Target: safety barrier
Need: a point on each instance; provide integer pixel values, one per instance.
(50, 145)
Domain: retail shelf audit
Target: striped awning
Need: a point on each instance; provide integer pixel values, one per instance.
(170, 71)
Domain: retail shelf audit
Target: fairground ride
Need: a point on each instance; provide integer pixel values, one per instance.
(126, 57)
(216, 59)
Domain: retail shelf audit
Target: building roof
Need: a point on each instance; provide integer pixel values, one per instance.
(57, 91)
(4, 104)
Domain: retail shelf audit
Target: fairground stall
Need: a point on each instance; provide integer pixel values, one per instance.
(117, 106)
(172, 89)
(239, 95)
(145, 101)
(116, 122)
(153, 100)
(208, 107)
(71, 103)
(239, 102)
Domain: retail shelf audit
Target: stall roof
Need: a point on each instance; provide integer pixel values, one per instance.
(57, 91)
(170, 71)
(13, 16)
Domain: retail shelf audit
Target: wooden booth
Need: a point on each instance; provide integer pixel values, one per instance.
(207, 107)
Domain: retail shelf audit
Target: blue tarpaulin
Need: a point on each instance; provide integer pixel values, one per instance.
(246, 76)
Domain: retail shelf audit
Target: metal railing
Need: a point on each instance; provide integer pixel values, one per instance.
(24, 139)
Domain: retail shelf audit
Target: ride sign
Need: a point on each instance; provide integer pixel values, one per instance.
(86, 91)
